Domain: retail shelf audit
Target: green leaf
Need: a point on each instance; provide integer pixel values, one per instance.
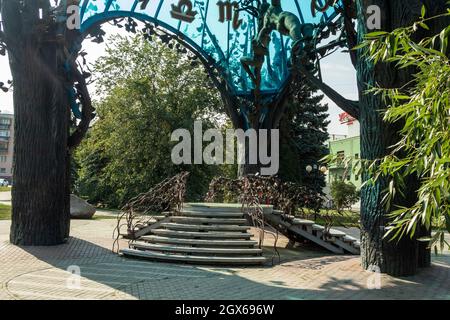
(423, 11)
(423, 25)
(447, 221)
(444, 41)
(376, 34)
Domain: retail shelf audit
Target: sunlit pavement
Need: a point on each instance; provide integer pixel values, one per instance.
(5, 197)
(304, 273)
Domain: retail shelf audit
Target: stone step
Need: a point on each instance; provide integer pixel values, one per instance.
(196, 250)
(302, 222)
(211, 221)
(203, 235)
(210, 214)
(221, 207)
(347, 246)
(288, 217)
(349, 239)
(199, 227)
(336, 233)
(208, 260)
(201, 242)
(213, 207)
(317, 227)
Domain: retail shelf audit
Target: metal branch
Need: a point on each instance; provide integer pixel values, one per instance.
(87, 113)
(280, 102)
(349, 106)
(11, 24)
(167, 198)
(350, 31)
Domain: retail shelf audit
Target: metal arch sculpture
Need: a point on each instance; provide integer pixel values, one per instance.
(216, 40)
(233, 39)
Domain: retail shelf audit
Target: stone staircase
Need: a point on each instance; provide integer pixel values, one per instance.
(299, 229)
(219, 234)
(203, 234)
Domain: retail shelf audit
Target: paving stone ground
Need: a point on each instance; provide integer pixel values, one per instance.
(304, 273)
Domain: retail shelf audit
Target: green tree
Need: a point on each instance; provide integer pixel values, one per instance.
(148, 90)
(303, 136)
(344, 195)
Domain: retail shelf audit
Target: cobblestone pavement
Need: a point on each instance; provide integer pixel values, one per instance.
(304, 273)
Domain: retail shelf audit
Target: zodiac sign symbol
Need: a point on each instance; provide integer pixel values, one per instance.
(226, 9)
(144, 4)
(183, 11)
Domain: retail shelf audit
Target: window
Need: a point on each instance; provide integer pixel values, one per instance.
(3, 158)
(357, 177)
(357, 156)
(2, 170)
(340, 157)
(5, 121)
(349, 178)
(4, 133)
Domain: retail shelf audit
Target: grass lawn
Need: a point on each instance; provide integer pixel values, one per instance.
(5, 212)
(346, 218)
(2, 189)
(104, 217)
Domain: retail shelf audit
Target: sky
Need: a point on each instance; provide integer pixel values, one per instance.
(337, 72)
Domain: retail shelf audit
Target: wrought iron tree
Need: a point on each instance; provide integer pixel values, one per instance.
(42, 76)
(406, 256)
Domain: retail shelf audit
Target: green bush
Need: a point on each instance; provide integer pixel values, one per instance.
(344, 195)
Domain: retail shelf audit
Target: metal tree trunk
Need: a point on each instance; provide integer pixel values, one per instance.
(392, 257)
(40, 194)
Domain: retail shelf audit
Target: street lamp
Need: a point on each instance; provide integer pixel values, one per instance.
(310, 168)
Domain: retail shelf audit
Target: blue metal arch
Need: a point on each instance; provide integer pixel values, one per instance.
(223, 48)
(188, 43)
(104, 17)
(214, 40)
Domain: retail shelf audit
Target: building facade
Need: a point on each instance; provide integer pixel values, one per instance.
(6, 145)
(348, 150)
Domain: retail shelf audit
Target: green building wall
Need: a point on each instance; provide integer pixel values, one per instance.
(347, 148)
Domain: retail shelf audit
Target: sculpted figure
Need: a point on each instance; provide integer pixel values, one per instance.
(271, 18)
(256, 62)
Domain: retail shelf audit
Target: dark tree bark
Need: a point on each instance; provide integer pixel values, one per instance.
(398, 258)
(40, 194)
(394, 258)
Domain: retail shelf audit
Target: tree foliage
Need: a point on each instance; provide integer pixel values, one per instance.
(422, 107)
(303, 136)
(147, 91)
(344, 195)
